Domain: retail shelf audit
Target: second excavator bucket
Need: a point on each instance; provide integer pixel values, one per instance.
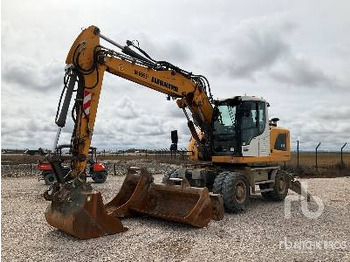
(80, 212)
(180, 203)
(134, 186)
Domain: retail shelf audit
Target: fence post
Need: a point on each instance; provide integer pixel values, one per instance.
(316, 154)
(298, 155)
(31, 169)
(341, 155)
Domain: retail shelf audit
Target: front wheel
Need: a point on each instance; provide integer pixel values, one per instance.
(219, 182)
(236, 192)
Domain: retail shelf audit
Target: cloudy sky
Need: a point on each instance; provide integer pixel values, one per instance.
(295, 54)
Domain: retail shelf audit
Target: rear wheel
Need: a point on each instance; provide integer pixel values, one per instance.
(99, 177)
(49, 177)
(280, 188)
(236, 192)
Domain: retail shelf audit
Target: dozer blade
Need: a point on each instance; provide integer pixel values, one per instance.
(81, 213)
(180, 203)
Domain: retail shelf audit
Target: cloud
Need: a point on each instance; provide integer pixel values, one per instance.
(301, 72)
(254, 46)
(26, 73)
(126, 109)
(262, 48)
(256, 51)
(163, 47)
(316, 125)
(283, 53)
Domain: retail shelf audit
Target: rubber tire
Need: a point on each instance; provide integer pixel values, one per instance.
(266, 195)
(276, 194)
(228, 189)
(99, 177)
(49, 177)
(219, 181)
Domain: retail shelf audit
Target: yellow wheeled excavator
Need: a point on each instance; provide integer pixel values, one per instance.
(234, 145)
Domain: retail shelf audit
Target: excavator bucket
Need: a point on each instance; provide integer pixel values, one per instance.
(80, 212)
(180, 203)
(134, 186)
(176, 203)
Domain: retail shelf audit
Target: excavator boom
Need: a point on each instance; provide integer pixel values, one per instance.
(75, 208)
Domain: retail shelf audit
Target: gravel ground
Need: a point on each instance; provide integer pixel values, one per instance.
(262, 233)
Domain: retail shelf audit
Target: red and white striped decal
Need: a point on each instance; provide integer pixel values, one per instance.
(87, 102)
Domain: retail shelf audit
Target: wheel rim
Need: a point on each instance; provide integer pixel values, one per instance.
(240, 193)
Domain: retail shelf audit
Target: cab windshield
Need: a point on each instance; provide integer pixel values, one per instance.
(225, 120)
(224, 129)
(236, 123)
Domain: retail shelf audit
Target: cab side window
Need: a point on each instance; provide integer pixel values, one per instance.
(249, 121)
(253, 120)
(261, 117)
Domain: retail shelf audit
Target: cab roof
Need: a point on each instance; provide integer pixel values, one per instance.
(241, 98)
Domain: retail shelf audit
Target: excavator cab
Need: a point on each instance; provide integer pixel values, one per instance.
(238, 125)
(241, 128)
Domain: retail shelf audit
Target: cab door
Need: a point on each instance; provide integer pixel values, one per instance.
(254, 129)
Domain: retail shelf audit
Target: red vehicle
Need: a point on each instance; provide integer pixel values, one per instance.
(96, 170)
